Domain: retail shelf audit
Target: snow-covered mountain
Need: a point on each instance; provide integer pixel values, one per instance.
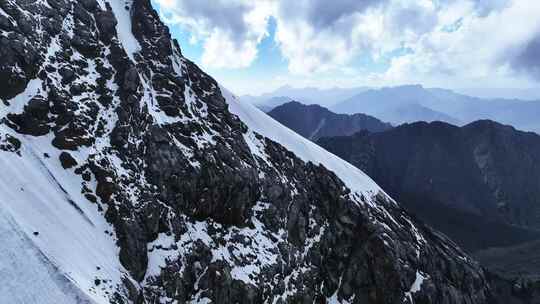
(129, 176)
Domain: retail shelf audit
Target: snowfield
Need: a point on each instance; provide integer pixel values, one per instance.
(54, 240)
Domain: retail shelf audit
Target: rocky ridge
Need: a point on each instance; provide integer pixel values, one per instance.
(132, 181)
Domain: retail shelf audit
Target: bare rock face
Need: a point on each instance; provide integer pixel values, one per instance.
(198, 216)
(67, 160)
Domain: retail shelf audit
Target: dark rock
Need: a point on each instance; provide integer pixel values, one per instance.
(89, 5)
(86, 176)
(85, 41)
(106, 23)
(105, 186)
(67, 160)
(76, 89)
(81, 14)
(19, 64)
(132, 241)
(38, 107)
(71, 137)
(33, 121)
(67, 75)
(131, 80)
(91, 197)
(10, 143)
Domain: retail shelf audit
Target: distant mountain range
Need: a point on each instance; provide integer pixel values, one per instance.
(404, 104)
(273, 102)
(314, 121)
(479, 184)
(323, 97)
(523, 94)
(411, 103)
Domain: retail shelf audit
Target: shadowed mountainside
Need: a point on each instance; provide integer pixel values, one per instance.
(480, 184)
(314, 121)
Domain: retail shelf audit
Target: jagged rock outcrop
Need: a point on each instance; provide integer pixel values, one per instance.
(145, 188)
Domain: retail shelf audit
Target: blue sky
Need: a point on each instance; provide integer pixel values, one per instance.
(254, 47)
(268, 65)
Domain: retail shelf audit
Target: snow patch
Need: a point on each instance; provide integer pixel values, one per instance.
(319, 127)
(3, 13)
(416, 286)
(17, 103)
(23, 264)
(125, 34)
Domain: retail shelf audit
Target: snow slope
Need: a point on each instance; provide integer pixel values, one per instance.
(128, 40)
(23, 264)
(52, 237)
(263, 124)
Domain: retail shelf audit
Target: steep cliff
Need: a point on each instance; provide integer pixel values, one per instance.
(130, 176)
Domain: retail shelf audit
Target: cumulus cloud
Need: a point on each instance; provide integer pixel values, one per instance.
(323, 13)
(315, 36)
(349, 30)
(230, 30)
(443, 39)
(484, 8)
(481, 47)
(527, 59)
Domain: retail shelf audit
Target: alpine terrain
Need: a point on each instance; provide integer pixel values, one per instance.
(410, 103)
(130, 176)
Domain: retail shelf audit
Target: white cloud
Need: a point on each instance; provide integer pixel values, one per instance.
(229, 30)
(314, 42)
(483, 47)
(447, 42)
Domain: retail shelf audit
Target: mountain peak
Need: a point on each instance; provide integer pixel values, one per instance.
(130, 175)
(315, 121)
